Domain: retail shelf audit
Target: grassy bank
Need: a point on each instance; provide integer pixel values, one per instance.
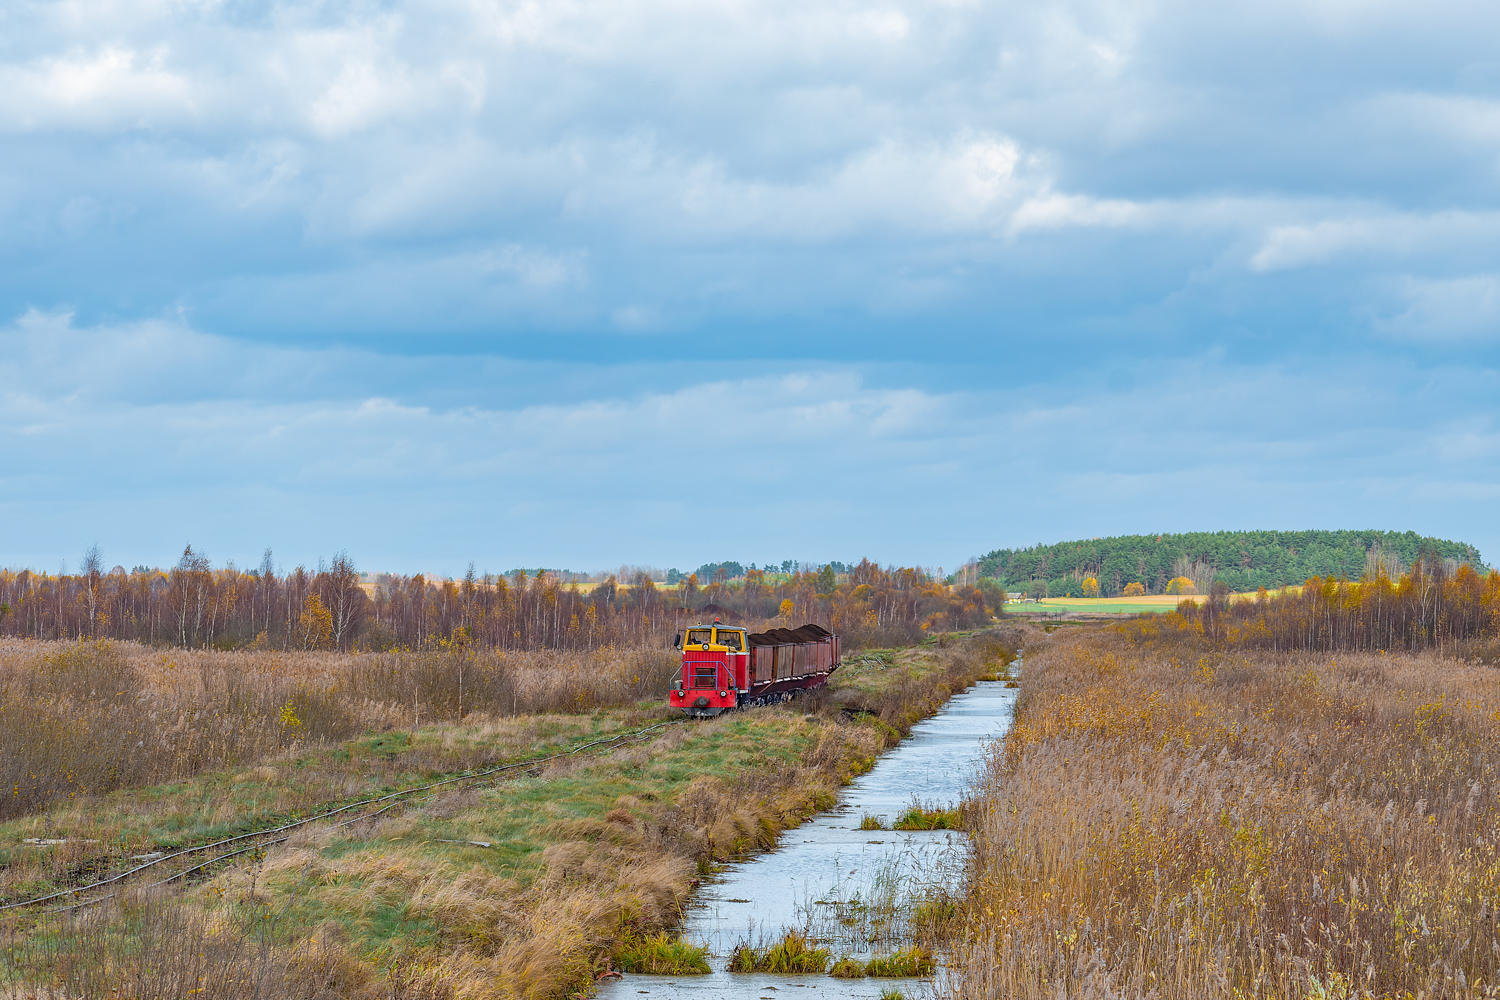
(529, 886)
(1165, 822)
(80, 719)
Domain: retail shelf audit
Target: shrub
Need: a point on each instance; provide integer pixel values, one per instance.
(870, 822)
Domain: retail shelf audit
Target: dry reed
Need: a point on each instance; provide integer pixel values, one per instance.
(83, 718)
(1254, 825)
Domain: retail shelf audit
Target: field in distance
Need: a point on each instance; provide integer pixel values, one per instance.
(1148, 603)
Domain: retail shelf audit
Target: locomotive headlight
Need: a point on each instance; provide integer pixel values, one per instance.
(723, 694)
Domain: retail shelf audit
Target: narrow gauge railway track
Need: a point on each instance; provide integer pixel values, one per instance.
(393, 799)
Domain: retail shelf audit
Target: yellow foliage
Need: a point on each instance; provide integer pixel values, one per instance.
(1135, 589)
(1090, 587)
(1181, 585)
(315, 626)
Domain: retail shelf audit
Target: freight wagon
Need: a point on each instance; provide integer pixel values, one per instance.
(724, 666)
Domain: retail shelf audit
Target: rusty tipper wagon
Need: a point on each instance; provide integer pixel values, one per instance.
(724, 666)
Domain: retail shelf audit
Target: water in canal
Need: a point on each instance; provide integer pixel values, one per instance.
(842, 884)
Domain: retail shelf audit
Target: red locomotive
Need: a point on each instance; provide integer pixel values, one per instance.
(724, 666)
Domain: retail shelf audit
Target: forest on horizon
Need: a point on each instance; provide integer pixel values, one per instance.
(1242, 560)
(195, 604)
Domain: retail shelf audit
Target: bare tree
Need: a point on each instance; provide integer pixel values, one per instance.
(190, 581)
(343, 598)
(267, 586)
(91, 573)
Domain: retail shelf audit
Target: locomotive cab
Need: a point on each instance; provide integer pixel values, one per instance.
(714, 667)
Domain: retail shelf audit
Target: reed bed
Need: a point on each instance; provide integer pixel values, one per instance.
(83, 718)
(1164, 822)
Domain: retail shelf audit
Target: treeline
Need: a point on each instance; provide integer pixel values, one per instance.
(1242, 560)
(195, 605)
(1425, 608)
(867, 602)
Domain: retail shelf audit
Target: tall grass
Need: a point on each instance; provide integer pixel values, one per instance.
(588, 855)
(794, 953)
(662, 955)
(149, 947)
(1257, 825)
(82, 718)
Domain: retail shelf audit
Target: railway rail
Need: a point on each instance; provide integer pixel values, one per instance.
(393, 799)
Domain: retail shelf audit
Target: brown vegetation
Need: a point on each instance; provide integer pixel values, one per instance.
(85, 718)
(588, 857)
(1429, 607)
(1169, 821)
(196, 606)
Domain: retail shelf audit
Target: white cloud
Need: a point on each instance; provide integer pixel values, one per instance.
(1048, 210)
(1447, 309)
(966, 184)
(827, 461)
(111, 87)
(1011, 193)
(1375, 235)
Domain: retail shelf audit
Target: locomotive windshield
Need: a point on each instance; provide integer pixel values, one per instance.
(700, 636)
(733, 638)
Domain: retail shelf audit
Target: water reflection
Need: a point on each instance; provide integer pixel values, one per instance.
(853, 889)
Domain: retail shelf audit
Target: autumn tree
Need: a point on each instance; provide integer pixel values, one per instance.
(343, 599)
(1090, 587)
(190, 581)
(91, 573)
(315, 625)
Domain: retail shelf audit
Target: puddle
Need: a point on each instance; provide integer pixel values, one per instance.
(849, 887)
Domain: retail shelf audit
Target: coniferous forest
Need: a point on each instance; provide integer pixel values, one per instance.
(1241, 560)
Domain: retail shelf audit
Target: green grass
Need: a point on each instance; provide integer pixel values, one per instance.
(1090, 605)
(359, 881)
(847, 968)
(909, 963)
(918, 818)
(892, 994)
(519, 816)
(793, 954)
(869, 822)
(662, 955)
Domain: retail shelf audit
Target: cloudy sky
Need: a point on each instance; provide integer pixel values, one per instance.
(582, 282)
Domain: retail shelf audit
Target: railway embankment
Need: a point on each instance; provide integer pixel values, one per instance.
(516, 857)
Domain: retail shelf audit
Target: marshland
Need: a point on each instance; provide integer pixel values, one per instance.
(1282, 795)
(530, 881)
